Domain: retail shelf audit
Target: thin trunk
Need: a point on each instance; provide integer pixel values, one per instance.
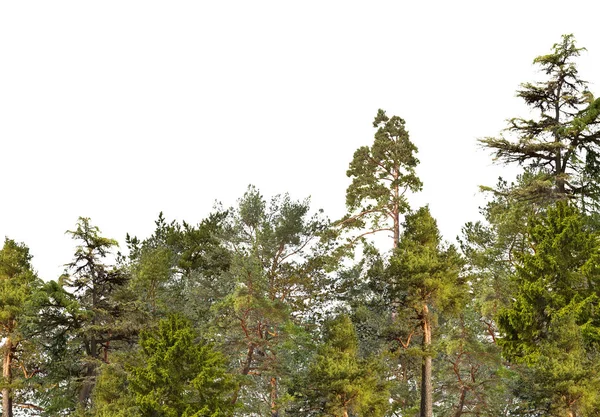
(558, 170)
(396, 228)
(90, 368)
(7, 374)
(245, 371)
(461, 402)
(426, 388)
(273, 395)
(396, 211)
(86, 387)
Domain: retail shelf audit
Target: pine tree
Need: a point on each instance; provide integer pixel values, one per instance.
(279, 269)
(18, 283)
(381, 176)
(426, 280)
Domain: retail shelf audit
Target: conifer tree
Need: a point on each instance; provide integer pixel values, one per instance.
(560, 150)
(93, 283)
(552, 325)
(18, 282)
(426, 279)
(381, 175)
(279, 270)
(180, 375)
(339, 383)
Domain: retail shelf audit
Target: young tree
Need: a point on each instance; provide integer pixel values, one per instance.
(181, 376)
(552, 325)
(560, 149)
(381, 176)
(339, 382)
(94, 284)
(426, 279)
(18, 283)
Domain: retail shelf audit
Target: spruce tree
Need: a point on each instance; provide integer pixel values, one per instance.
(180, 375)
(552, 325)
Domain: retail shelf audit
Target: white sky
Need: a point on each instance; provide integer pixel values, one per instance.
(116, 110)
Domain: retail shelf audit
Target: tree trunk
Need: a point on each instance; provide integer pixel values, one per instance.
(426, 388)
(461, 402)
(245, 371)
(90, 371)
(7, 374)
(273, 394)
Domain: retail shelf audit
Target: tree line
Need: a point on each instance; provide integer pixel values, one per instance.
(269, 308)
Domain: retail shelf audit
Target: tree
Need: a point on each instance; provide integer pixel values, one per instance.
(94, 284)
(180, 267)
(279, 268)
(181, 376)
(426, 279)
(18, 283)
(552, 325)
(381, 176)
(339, 383)
(560, 150)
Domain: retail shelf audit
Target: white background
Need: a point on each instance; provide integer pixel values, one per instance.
(116, 110)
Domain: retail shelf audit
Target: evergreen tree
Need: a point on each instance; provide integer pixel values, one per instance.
(94, 285)
(279, 267)
(426, 279)
(552, 325)
(18, 283)
(181, 376)
(340, 383)
(559, 150)
(381, 176)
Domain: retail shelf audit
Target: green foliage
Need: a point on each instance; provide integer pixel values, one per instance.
(381, 176)
(180, 268)
(181, 376)
(559, 149)
(90, 312)
(17, 282)
(18, 287)
(279, 264)
(552, 325)
(422, 272)
(340, 383)
(112, 396)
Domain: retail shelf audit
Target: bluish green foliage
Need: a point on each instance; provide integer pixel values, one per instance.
(279, 266)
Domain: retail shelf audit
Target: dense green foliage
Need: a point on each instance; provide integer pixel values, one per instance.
(269, 309)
